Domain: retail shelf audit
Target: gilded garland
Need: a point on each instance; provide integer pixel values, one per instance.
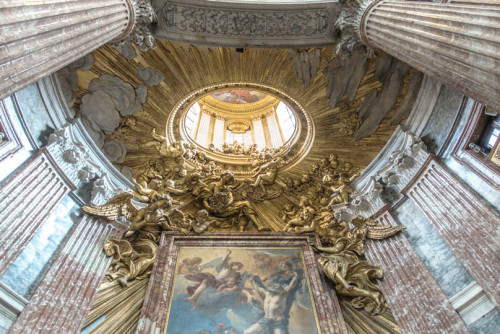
(185, 192)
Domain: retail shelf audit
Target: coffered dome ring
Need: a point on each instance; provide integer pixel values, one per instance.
(294, 150)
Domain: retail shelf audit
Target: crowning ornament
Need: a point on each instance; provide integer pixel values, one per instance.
(183, 180)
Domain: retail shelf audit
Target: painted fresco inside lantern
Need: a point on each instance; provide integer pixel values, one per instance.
(239, 96)
(241, 291)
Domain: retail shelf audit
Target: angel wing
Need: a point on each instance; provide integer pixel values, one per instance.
(119, 206)
(380, 232)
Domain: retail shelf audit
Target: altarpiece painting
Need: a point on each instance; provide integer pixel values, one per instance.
(224, 283)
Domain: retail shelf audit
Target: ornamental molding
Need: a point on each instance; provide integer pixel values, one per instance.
(76, 163)
(217, 106)
(246, 24)
(405, 163)
(10, 143)
(71, 156)
(400, 168)
(366, 202)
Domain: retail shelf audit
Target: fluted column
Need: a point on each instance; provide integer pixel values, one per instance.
(40, 37)
(466, 224)
(62, 300)
(26, 200)
(415, 299)
(456, 41)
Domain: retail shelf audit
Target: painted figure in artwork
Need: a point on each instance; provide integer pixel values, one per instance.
(275, 298)
(241, 291)
(228, 278)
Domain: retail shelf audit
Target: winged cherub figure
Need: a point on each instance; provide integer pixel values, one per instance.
(121, 206)
(352, 276)
(134, 255)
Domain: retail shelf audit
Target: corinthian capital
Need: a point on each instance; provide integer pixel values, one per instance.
(348, 25)
(142, 15)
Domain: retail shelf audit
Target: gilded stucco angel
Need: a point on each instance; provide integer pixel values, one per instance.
(121, 206)
(343, 189)
(149, 195)
(341, 262)
(134, 255)
(266, 173)
(218, 199)
(174, 150)
(201, 221)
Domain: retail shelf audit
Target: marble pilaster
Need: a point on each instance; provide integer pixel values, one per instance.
(61, 302)
(416, 301)
(466, 224)
(26, 200)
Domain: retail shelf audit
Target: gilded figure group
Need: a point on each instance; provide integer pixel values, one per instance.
(184, 180)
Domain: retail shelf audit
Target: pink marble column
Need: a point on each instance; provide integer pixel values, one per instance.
(455, 41)
(415, 299)
(40, 37)
(26, 199)
(466, 224)
(62, 300)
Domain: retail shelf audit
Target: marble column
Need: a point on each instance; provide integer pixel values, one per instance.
(40, 37)
(417, 302)
(466, 224)
(26, 200)
(62, 300)
(455, 41)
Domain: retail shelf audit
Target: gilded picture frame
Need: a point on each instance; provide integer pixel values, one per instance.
(233, 283)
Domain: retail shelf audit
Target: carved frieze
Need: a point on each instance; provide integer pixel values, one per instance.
(260, 25)
(237, 23)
